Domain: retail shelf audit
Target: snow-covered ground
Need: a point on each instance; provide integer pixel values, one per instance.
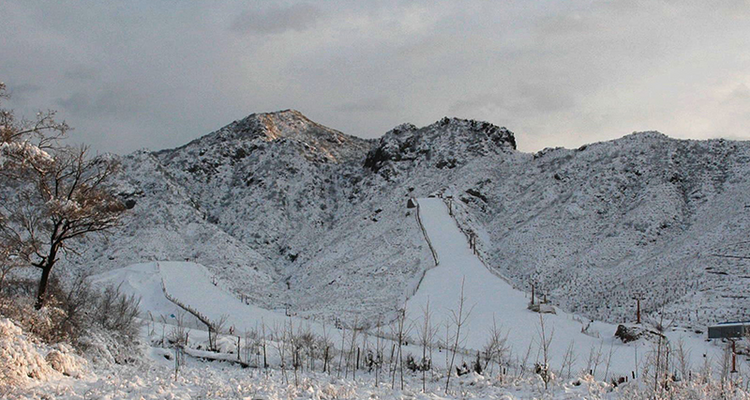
(192, 286)
(154, 377)
(490, 300)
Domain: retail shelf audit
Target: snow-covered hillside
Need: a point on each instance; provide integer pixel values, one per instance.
(294, 214)
(489, 302)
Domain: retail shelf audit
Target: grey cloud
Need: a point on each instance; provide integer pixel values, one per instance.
(106, 103)
(22, 93)
(23, 89)
(740, 94)
(370, 104)
(276, 19)
(523, 99)
(81, 73)
(163, 73)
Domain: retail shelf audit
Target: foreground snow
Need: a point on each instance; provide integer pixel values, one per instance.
(155, 379)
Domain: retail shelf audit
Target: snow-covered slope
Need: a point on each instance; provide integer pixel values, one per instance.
(489, 301)
(291, 213)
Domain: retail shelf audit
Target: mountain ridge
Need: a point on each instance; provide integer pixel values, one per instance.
(319, 225)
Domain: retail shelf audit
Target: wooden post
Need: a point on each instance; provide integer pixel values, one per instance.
(734, 357)
(638, 311)
(637, 298)
(532, 293)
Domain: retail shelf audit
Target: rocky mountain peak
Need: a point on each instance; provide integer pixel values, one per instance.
(443, 144)
(280, 128)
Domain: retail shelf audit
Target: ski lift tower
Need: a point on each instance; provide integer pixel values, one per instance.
(731, 331)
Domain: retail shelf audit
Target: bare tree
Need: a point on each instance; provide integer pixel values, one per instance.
(496, 349)
(426, 334)
(683, 360)
(568, 360)
(400, 331)
(14, 253)
(325, 346)
(661, 362)
(215, 328)
(459, 319)
(379, 350)
(545, 340)
(54, 193)
(178, 338)
(281, 347)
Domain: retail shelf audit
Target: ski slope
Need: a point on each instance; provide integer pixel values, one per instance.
(191, 285)
(489, 299)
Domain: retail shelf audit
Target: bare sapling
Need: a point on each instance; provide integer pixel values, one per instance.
(351, 354)
(545, 341)
(308, 344)
(448, 339)
(294, 349)
(609, 360)
(325, 346)
(249, 345)
(400, 334)
(365, 345)
(459, 320)
(496, 349)
(178, 337)
(661, 368)
(525, 361)
(379, 349)
(598, 357)
(569, 358)
(280, 343)
(725, 371)
(683, 360)
(341, 355)
(163, 330)
(426, 334)
(263, 343)
(215, 328)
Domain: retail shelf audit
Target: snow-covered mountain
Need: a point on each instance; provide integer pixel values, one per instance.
(296, 215)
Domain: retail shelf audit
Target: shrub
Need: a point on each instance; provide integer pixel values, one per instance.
(100, 323)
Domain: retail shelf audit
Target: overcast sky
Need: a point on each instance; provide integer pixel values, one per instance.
(156, 74)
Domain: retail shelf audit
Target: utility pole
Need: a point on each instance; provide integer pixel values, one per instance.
(637, 297)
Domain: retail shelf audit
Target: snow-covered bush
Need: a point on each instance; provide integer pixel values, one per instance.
(47, 324)
(20, 358)
(102, 324)
(62, 359)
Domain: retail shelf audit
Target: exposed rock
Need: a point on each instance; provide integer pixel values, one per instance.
(632, 333)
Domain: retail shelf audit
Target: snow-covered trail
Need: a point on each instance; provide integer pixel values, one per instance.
(191, 285)
(490, 299)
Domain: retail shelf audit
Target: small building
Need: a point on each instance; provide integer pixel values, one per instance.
(729, 330)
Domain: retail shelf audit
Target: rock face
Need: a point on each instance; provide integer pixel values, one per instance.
(296, 215)
(446, 144)
(632, 333)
